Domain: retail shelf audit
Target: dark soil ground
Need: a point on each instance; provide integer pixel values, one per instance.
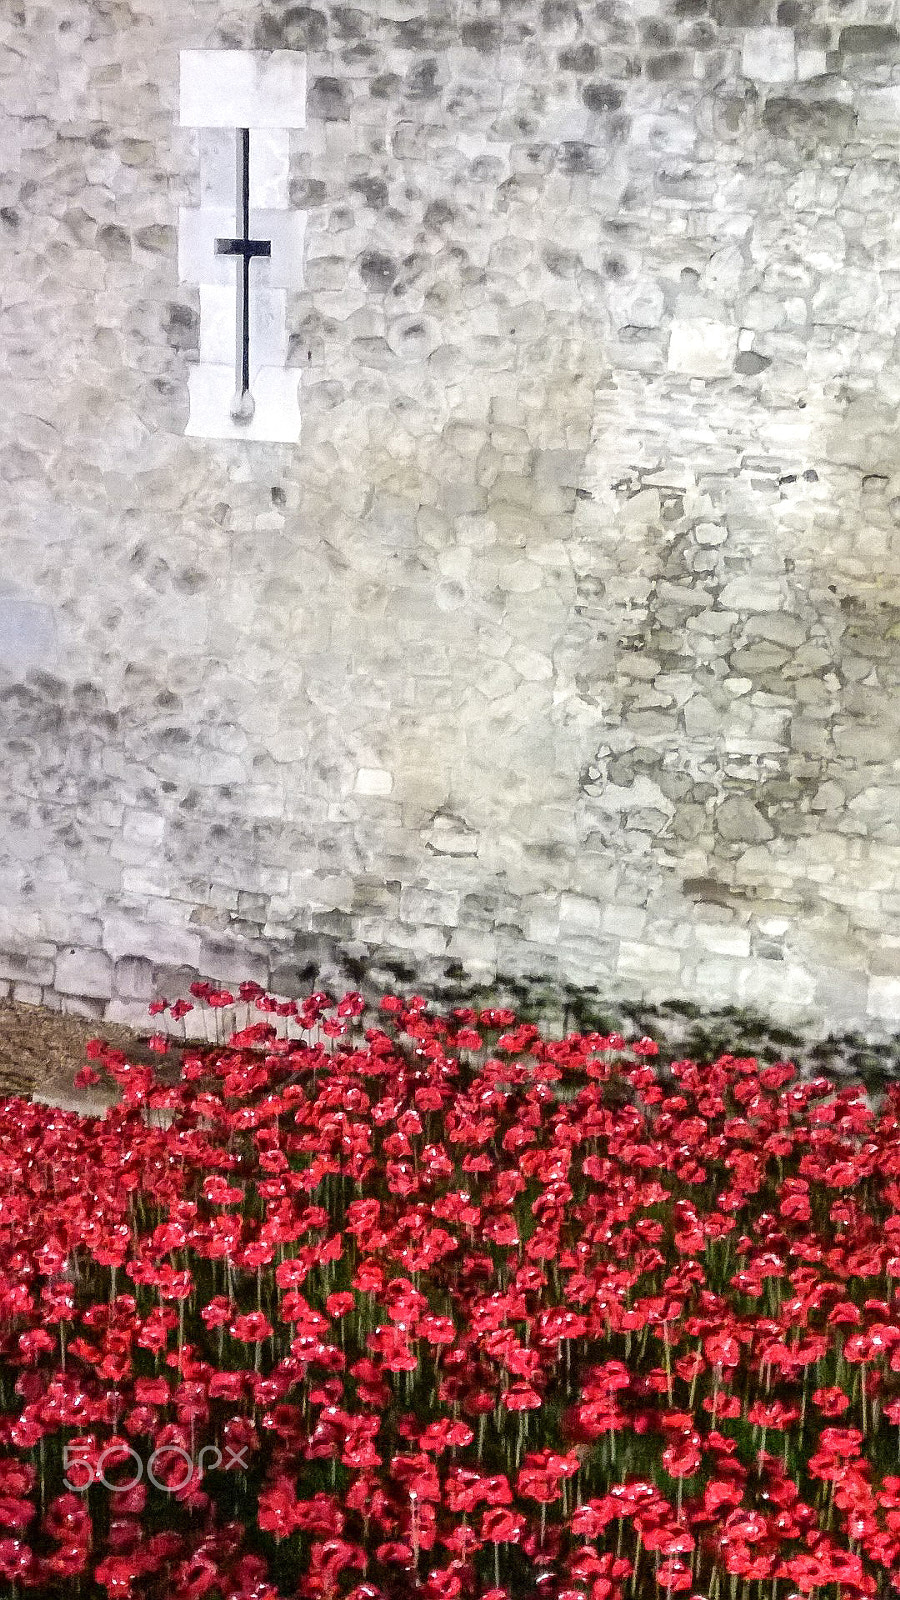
(41, 1050)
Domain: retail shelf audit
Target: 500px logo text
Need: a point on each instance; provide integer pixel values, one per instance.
(91, 1469)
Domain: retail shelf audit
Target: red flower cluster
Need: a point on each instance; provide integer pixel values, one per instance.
(442, 1308)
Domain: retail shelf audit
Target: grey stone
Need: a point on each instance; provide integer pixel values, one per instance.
(856, 742)
(601, 97)
(828, 797)
(751, 594)
(701, 718)
(133, 979)
(750, 364)
(114, 242)
(27, 994)
(809, 737)
(809, 124)
(562, 468)
(869, 39)
(329, 98)
(842, 992)
(377, 270)
(36, 966)
(429, 906)
(159, 238)
(739, 821)
(777, 626)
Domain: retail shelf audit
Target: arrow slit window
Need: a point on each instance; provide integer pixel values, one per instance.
(244, 248)
(243, 245)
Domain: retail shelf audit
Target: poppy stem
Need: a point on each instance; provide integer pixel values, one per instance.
(862, 1397)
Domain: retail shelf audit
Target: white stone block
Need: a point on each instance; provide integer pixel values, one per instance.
(669, 132)
(217, 88)
(27, 635)
(133, 1014)
(702, 349)
(218, 166)
(269, 165)
(647, 962)
(880, 108)
(722, 940)
(530, 664)
(714, 981)
(144, 827)
(287, 231)
(218, 330)
(769, 55)
(752, 594)
(642, 794)
(580, 915)
(626, 922)
(218, 323)
(243, 89)
(884, 1000)
(270, 155)
(276, 418)
(373, 780)
(709, 533)
(84, 972)
(198, 230)
(542, 925)
(777, 984)
(430, 906)
(474, 948)
(811, 64)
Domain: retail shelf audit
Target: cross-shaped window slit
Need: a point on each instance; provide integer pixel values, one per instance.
(245, 249)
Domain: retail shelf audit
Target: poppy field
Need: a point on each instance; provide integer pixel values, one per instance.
(389, 1303)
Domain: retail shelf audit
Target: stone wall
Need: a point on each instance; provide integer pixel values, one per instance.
(564, 646)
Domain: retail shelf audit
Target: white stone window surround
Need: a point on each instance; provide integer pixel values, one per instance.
(221, 91)
(243, 89)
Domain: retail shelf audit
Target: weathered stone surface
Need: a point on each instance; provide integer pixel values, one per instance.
(87, 973)
(578, 594)
(738, 819)
(862, 744)
(133, 979)
(869, 39)
(751, 594)
(451, 836)
(34, 966)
